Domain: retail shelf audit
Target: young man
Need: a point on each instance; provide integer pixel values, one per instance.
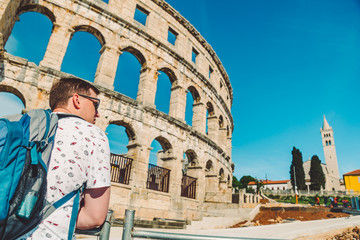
(80, 157)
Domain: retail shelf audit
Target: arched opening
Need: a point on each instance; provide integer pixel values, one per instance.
(191, 160)
(82, 54)
(163, 91)
(221, 175)
(11, 104)
(192, 97)
(209, 166)
(155, 149)
(128, 71)
(158, 176)
(30, 36)
(209, 113)
(189, 108)
(211, 180)
(120, 135)
(191, 172)
(221, 122)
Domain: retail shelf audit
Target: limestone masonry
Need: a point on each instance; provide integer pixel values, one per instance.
(191, 65)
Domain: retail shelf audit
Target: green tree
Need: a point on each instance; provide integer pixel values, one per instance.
(297, 164)
(317, 176)
(244, 181)
(259, 185)
(236, 184)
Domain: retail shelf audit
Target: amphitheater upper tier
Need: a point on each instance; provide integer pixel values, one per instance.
(161, 40)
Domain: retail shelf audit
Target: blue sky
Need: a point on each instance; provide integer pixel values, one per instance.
(289, 63)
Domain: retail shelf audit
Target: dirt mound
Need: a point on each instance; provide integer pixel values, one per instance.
(268, 216)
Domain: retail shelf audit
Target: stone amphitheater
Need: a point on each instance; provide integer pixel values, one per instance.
(191, 65)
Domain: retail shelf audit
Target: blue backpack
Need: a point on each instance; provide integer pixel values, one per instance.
(26, 142)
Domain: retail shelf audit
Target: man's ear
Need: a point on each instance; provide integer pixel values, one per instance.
(76, 101)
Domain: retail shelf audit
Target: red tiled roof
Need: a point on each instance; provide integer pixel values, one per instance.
(265, 182)
(355, 172)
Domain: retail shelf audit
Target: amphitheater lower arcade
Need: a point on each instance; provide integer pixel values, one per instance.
(167, 189)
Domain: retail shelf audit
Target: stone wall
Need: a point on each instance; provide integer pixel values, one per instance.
(117, 32)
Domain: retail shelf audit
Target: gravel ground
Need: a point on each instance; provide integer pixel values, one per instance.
(352, 233)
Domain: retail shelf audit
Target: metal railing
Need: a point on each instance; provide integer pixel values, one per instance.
(129, 233)
(235, 198)
(120, 168)
(158, 178)
(188, 187)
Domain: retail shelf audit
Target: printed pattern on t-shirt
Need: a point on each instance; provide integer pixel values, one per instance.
(81, 156)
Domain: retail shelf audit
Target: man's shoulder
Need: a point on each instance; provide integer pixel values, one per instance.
(81, 124)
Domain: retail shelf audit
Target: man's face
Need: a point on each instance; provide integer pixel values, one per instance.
(89, 111)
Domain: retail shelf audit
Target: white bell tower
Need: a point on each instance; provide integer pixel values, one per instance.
(332, 169)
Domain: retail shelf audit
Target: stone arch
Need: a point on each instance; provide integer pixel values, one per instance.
(192, 158)
(129, 130)
(92, 30)
(170, 73)
(210, 108)
(221, 121)
(165, 144)
(221, 174)
(164, 86)
(195, 94)
(37, 8)
(9, 89)
(139, 56)
(209, 167)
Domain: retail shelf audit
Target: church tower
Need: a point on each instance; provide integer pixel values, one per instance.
(332, 169)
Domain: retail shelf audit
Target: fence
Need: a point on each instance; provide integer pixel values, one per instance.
(120, 168)
(129, 233)
(188, 187)
(245, 198)
(309, 193)
(158, 178)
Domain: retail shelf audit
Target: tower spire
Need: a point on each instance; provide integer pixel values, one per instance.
(326, 125)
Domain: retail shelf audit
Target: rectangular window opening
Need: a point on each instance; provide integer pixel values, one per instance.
(172, 36)
(195, 53)
(141, 15)
(210, 72)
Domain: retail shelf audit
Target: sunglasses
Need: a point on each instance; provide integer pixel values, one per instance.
(95, 101)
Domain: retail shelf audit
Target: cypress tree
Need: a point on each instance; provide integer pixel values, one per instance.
(297, 162)
(317, 176)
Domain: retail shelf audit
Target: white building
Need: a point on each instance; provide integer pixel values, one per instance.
(330, 168)
(272, 185)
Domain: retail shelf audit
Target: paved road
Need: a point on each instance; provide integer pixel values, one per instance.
(276, 231)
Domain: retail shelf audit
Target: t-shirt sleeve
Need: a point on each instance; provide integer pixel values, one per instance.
(99, 166)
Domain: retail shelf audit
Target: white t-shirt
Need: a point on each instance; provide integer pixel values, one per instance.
(80, 155)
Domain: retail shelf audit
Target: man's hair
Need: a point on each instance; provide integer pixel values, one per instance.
(63, 89)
